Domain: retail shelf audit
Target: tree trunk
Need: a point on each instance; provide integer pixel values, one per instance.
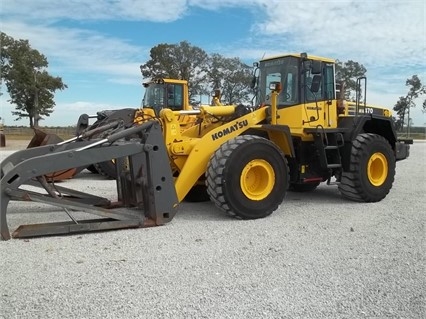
(36, 120)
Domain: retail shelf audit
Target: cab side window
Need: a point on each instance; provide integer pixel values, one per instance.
(330, 93)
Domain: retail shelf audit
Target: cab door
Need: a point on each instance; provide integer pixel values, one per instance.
(318, 96)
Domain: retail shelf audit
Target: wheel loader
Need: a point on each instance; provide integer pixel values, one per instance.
(298, 134)
(159, 93)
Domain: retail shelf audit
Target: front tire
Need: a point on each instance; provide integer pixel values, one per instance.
(371, 171)
(247, 177)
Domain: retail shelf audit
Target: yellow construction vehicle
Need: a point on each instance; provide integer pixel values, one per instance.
(245, 158)
(159, 93)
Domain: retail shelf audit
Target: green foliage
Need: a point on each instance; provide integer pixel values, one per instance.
(348, 72)
(31, 88)
(400, 108)
(405, 103)
(178, 61)
(231, 76)
(203, 72)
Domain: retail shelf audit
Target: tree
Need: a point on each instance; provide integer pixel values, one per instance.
(405, 103)
(349, 72)
(203, 72)
(400, 108)
(31, 88)
(178, 61)
(231, 76)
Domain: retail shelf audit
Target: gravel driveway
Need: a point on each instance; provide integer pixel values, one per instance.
(317, 256)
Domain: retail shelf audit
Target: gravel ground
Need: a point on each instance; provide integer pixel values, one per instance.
(317, 256)
(13, 145)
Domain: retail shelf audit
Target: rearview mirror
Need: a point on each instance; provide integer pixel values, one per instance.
(316, 67)
(316, 83)
(253, 82)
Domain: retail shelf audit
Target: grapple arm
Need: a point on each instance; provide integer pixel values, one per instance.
(145, 191)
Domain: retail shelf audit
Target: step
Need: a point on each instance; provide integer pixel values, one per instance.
(331, 147)
(334, 165)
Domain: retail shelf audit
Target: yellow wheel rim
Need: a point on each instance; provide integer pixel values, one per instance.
(377, 169)
(257, 179)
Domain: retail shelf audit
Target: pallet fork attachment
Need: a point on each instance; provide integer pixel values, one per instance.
(146, 195)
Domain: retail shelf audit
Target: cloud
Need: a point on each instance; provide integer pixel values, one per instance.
(73, 49)
(65, 114)
(131, 10)
(78, 48)
(386, 36)
(161, 11)
(86, 107)
(220, 4)
(377, 32)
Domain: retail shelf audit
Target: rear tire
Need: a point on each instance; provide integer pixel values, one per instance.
(106, 169)
(92, 169)
(247, 177)
(371, 171)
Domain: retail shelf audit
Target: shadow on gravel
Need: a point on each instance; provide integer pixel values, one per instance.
(28, 213)
(201, 211)
(208, 211)
(323, 194)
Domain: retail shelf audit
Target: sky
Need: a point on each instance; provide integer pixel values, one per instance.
(97, 46)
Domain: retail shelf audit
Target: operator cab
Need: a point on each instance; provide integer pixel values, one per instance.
(161, 94)
(303, 79)
(307, 96)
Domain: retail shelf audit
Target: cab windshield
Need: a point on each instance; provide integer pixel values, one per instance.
(163, 95)
(297, 78)
(154, 96)
(285, 71)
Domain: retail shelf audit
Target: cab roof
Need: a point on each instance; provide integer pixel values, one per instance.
(298, 55)
(160, 80)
